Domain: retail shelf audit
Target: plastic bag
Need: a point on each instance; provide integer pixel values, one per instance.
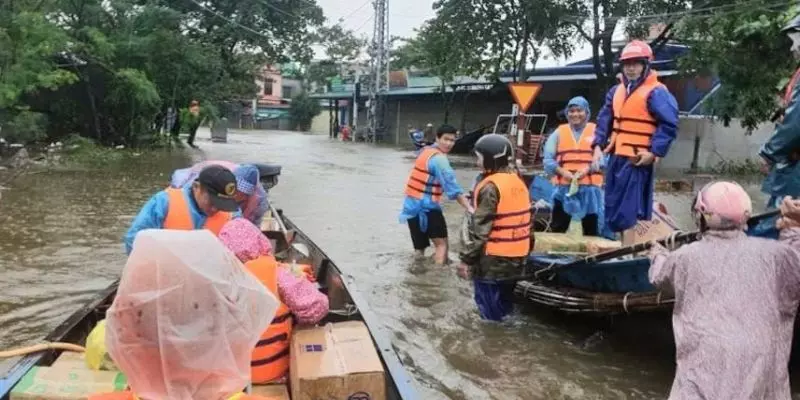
(97, 357)
(573, 187)
(186, 317)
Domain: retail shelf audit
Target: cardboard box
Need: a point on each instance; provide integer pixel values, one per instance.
(59, 383)
(70, 360)
(272, 392)
(336, 361)
(659, 227)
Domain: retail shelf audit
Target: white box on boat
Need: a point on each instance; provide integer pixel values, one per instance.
(336, 361)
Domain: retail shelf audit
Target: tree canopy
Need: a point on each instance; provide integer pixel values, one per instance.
(106, 70)
(739, 41)
(743, 46)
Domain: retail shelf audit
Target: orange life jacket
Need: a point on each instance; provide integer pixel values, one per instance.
(128, 395)
(511, 229)
(270, 358)
(633, 125)
(574, 156)
(420, 181)
(179, 217)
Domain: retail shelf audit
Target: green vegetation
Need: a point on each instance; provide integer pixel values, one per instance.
(742, 45)
(737, 40)
(302, 111)
(735, 168)
(108, 71)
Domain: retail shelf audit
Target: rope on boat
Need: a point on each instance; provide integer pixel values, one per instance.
(42, 347)
(348, 311)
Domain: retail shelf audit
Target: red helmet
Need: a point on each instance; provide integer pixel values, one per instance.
(636, 49)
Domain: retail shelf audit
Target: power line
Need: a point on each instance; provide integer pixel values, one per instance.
(364, 24)
(342, 19)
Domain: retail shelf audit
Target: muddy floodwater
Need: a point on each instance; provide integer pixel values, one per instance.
(60, 242)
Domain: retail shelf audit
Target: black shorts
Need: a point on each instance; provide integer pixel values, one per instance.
(437, 229)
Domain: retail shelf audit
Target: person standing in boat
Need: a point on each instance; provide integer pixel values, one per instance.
(430, 179)
(250, 193)
(501, 229)
(300, 301)
(636, 126)
(578, 182)
(782, 151)
(208, 203)
(735, 301)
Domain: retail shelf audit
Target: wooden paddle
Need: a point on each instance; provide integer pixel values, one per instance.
(680, 238)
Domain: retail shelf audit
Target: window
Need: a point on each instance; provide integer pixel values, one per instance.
(268, 86)
(287, 92)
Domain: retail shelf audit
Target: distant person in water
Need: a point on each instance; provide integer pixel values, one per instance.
(430, 179)
(207, 203)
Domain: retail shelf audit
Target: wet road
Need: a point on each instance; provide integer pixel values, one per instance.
(60, 242)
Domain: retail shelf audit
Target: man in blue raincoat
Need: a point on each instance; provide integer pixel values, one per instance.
(578, 191)
(636, 127)
(782, 151)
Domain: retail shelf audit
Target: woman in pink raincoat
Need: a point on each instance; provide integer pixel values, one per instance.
(735, 303)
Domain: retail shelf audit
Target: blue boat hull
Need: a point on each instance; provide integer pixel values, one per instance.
(618, 276)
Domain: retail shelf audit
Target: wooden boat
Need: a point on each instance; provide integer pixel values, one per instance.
(604, 288)
(345, 305)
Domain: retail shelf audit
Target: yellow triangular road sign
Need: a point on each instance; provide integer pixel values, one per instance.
(524, 93)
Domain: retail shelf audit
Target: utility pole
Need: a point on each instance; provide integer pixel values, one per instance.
(379, 85)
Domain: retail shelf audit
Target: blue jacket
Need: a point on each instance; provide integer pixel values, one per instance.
(784, 178)
(439, 167)
(662, 106)
(154, 212)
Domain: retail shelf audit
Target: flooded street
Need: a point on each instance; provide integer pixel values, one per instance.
(60, 240)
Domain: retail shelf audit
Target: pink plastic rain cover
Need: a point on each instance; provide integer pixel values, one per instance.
(186, 317)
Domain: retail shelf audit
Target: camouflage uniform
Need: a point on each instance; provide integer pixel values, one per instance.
(485, 266)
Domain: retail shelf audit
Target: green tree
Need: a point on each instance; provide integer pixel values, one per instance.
(108, 70)
(341, 47)
(302, 111)
(596, 20)
(740, 43)
(493, 36)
